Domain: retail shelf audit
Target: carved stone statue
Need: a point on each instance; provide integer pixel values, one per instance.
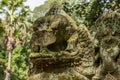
(107, 34)
(109, 54)
(61, 50)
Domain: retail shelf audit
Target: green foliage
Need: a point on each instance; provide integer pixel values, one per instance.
(20, 62)
(3, 57)
(3, 60)
(88, 12)
(17, 15)
(2, 31)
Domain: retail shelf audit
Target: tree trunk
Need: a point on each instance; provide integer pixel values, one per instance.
(9, 43)
(9, 66)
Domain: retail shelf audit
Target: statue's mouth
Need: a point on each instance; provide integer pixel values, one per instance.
(57, 47)
(49, 44)
(53, 49)
(54, 53)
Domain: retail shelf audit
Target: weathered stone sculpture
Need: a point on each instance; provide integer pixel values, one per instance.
(107, 29)
(109, 54)
(60, 49)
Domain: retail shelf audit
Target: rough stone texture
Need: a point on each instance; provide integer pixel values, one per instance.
(107, 34)
(61, 50)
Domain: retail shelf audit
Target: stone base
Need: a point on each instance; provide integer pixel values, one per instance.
(59, 74)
